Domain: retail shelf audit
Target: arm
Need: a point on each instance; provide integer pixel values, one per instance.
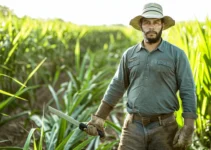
(183, 137)
(186, 87)
(118, 84)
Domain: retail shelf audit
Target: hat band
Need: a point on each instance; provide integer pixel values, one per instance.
(153, 10)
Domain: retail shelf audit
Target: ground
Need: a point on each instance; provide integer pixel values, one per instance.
(15, 132)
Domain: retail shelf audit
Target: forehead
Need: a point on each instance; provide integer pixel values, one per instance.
(151, 19)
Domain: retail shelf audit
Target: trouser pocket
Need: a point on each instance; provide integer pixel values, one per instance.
(162, 136)
(127, 121)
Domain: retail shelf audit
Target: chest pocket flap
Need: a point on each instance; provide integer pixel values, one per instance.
(133, 62)
(165, 63)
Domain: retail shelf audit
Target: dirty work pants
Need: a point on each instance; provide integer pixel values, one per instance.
(153, 136)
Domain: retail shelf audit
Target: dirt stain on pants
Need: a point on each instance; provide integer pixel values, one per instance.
(154, 136)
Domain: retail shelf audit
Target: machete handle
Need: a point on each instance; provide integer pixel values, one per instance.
(82, 126)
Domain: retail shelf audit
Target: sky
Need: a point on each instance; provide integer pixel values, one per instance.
(106, 12)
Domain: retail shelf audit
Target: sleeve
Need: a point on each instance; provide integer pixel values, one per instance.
(118, 84)
(186, 86)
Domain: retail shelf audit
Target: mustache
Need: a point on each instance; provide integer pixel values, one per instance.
(151, 32)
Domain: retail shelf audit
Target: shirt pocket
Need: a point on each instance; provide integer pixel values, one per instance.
(164, 66)
(133, 62)
(133, 67)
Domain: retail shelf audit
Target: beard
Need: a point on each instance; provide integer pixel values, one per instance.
(152, 40)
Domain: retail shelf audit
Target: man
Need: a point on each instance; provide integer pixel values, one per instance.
(151, 72)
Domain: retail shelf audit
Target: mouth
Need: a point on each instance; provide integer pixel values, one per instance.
(151, 32)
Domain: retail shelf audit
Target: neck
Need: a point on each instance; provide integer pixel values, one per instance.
(151, 46)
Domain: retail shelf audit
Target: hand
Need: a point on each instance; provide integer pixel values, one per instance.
(95, 125)
(183, 137)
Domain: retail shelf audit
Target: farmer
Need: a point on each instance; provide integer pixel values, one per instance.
(151, 73)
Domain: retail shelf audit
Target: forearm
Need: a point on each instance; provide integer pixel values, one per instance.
(114, 92)
(189, 122)
(104, 110)
(96, 124)
(189, 101)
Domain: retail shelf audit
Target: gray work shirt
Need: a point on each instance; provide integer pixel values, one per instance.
(152, 80)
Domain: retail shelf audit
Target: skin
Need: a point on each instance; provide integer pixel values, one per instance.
(152, 31)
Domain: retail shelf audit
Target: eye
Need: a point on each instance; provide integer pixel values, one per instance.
(157, 22)
(145, 22)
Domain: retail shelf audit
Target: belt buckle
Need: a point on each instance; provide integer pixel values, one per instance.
(145, 120)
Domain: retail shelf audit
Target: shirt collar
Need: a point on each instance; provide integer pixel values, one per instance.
(161, 46)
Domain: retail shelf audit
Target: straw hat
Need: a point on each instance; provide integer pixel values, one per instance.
(152, 10)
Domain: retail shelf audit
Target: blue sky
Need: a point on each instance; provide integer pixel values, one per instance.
(98, 12)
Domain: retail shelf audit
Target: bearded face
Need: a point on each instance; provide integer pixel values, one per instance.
(152, 30)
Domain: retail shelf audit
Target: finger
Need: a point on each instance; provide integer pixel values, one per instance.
(91, 130)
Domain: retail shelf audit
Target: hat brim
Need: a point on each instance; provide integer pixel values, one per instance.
(168, 21)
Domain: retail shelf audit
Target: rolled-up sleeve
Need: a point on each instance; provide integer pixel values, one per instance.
(118, 84)
(186, 86)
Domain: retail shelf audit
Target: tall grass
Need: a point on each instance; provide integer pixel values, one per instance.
(81, 96)
(12, 97)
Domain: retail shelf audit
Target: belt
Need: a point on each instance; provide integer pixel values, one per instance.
(148, 119)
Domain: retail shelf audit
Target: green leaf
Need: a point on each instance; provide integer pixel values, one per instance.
(53, 136)
(11, 95)
(114, 126)
(13, 79)
(33, 72)
(77, 55)
(8, 101)
(61, 132)
(42, 133)
(64, 141)
(10, 53)
(84, 143)
(54, 96)
(28, 140)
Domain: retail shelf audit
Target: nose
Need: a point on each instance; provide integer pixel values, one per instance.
(151, 25)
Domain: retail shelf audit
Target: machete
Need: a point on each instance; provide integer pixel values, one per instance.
(81, 125)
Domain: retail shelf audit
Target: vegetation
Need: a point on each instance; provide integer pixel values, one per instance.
(75, 64)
